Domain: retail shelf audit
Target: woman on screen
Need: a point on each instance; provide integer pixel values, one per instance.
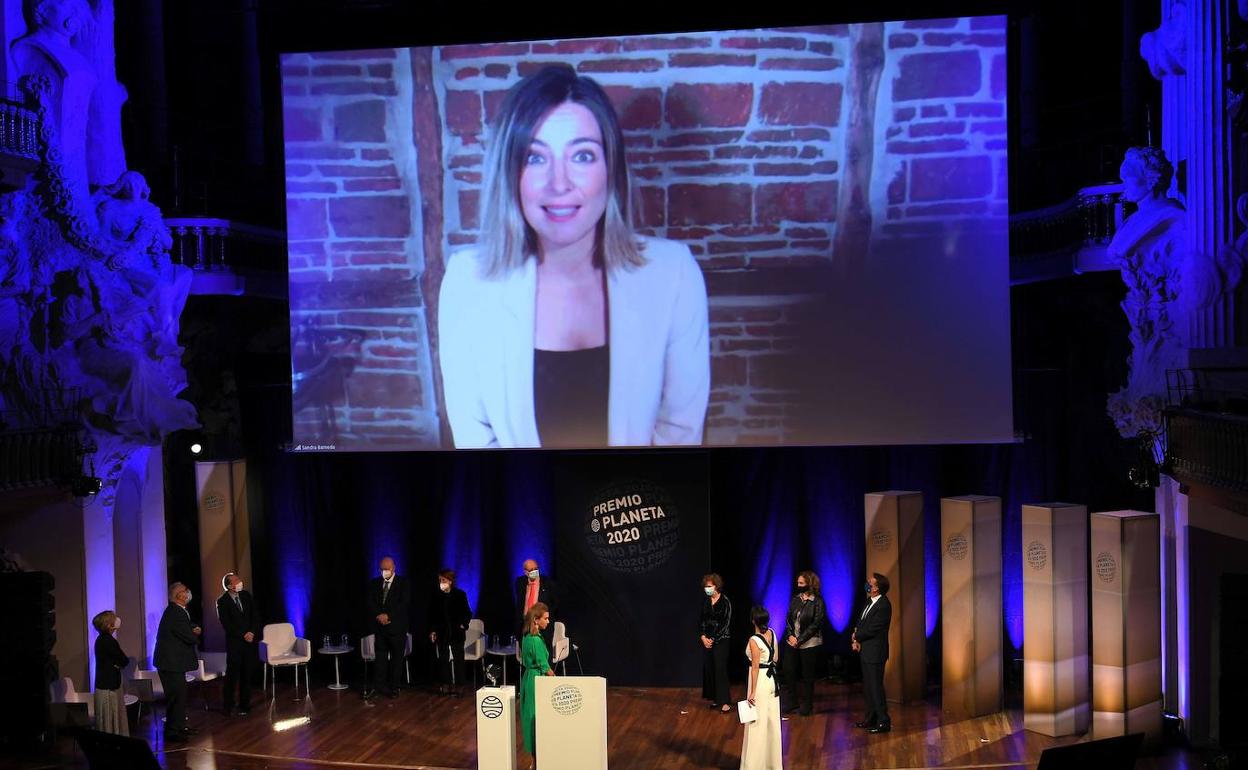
(563, 328)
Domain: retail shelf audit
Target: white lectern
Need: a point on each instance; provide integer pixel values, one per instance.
(571, 722)
(496, 728)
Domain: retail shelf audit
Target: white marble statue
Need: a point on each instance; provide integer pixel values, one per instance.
(1151, 251)
(1165, 48)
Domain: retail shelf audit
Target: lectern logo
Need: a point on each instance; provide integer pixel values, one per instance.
(632, 526)
(1106, 567)
(1037, 555)
(213, 501)
(956, 547)
(491, 707)
(881, 539)
(566, 700)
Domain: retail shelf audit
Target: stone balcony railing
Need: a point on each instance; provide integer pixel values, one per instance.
(1071, 237)
(19, 136)
(206, 243)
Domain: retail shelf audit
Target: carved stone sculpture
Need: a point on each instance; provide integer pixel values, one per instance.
(1165, 48)
(1150, 249)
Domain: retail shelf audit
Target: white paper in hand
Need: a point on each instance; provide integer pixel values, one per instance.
(746, 712)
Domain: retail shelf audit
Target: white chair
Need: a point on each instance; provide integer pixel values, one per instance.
(563, 647)
(474, 646)
(77, 708)
(211, 666)
(279, 647)
(70, 707)
(368, 654)
(144, 685)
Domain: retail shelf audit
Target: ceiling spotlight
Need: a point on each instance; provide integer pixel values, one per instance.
(196, 448)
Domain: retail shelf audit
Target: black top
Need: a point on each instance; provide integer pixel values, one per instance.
(449, 616)
(394, 604)
(872, 631)
(109, 661)
(175, 641)
(237, 620)
(570, 390)
(716, 618)
(811, 613)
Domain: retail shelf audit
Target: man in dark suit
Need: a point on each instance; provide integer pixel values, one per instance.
(870, 640)
(533, 587)
(388, 600)
(448, 626)
(236, 609)
(176, 638)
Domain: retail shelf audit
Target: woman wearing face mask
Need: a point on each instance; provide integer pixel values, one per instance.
(715, 621)
(448, 625)
(803, 635)
(562, 327)
(110, 705)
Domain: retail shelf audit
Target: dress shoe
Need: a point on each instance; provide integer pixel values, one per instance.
(805, 712)
(368, 693)
(884, 728)
(190, 730)
(243, 712)
(392, 694)
(175, 737)
(864, 725)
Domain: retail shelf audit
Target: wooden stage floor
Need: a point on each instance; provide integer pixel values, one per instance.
(659, 728)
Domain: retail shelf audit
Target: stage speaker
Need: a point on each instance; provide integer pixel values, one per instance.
(1056, 666)
(970, 587)
(1126, 624)
(894, 523)
(1108, 754)
(26, 604)
(105, 751)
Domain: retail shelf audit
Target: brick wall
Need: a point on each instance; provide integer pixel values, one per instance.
(735, 143)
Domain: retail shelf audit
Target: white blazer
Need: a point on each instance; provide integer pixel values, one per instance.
(659, 351)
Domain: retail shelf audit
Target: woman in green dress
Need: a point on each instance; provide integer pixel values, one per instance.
(534, 658)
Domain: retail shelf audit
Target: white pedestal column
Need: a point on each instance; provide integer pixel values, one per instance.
(496, 728)
(571, 722)
(1055, 619)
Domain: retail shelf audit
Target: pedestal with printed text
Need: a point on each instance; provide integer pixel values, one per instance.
(1126, 624)
(496, 728)
(571, 722)
(1055, 619)
(894, 523)
(971, 678)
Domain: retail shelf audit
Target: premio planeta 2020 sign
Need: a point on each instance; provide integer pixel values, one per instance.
(632, 526)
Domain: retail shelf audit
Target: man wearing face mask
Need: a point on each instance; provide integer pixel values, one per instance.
(533, 587)
(176, 638)
(236, 609)
(448, 626)
(870, 639)
(388, 599)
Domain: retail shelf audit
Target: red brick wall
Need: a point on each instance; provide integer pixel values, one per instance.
(735, 145)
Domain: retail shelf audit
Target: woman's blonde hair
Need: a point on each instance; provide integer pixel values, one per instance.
(533, 615)
(507, 240)
(104, 621)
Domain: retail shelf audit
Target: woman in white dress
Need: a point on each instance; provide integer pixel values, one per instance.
(761, 749)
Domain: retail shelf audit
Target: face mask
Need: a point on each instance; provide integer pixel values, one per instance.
(188, 597)
(801, 589)
(238, 587)
(446, 587)
(533, 574)
(868, 587)
(386, 574)
(117, 625)
(710, 590)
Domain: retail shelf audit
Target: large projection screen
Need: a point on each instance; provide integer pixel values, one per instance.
(820, 215)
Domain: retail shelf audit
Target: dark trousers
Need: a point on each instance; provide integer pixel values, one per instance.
(449, 670)
(240, 668)
(389, 664)
(873, 691)
(715, 674)
(174, 685)
(800, 669)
